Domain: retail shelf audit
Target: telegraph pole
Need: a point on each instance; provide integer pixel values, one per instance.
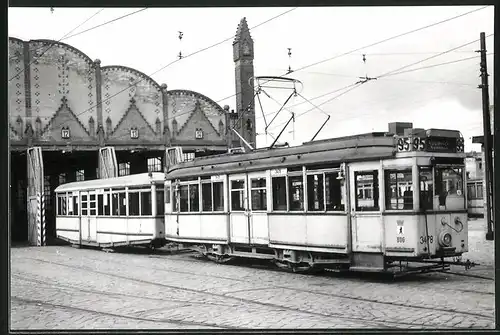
(488, 168)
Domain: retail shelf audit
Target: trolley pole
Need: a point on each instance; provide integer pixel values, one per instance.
(488, 168)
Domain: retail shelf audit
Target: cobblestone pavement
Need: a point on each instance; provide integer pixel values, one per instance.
(62, 287)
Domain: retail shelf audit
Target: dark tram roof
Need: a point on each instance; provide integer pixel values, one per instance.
(351, 148)
(367, 146)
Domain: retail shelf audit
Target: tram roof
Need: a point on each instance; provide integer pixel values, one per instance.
(141, 179)
(335, 150)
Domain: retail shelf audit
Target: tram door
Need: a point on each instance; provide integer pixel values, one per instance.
(239, 217)
(257, 205)
(365, 211)
(89, 216)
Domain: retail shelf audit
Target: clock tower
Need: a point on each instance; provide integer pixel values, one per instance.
(243, 54)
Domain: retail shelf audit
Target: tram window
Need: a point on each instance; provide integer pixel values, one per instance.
(333, 190)
(146, 203)
(133, 203)
(160, 202)
(296, 189)
(471, 191)
(61, 204)
(167, 194)
(206, 197)
(184, 198)
(194, 198)
(426, 187)
(218, 196)
(449, 182)
(75, 203)
(258, 192)
(479, 193)
(367, 191)
(237, 195)
(315, 193)
(398, 189)
(279, 193)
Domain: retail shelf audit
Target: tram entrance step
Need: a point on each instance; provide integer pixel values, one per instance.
(366, 260)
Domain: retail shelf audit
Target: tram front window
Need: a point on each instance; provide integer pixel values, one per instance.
(449, 185)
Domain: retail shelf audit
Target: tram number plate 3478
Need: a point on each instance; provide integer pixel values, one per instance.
(424, 239)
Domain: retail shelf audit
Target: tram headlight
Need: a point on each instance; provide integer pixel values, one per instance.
(445, 239)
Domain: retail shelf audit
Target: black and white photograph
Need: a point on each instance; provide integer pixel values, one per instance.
(252, 168)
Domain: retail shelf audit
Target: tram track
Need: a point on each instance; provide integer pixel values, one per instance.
(226, 296)
(278, 270)
(107, 314)
(111, 294)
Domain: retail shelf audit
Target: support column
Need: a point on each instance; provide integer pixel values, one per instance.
(36, 201)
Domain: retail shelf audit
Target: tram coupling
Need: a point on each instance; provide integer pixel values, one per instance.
(456, 261)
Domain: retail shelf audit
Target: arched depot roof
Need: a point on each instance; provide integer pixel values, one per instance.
(197, 95)
(123, 68)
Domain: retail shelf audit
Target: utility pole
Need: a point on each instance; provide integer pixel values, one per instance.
(488, 167)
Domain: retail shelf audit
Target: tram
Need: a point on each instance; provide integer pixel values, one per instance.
(475, 198)
(112, 212)
(373, 202)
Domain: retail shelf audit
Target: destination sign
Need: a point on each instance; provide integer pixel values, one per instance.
(431, 144)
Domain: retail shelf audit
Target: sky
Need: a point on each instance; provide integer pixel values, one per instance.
(441, 96)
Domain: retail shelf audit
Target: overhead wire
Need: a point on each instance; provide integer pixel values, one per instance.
(355, 85)
(52, 45)
(349, 52)
(393, 72)
(371, 45)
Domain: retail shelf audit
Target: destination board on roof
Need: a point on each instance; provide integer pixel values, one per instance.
(430, 144)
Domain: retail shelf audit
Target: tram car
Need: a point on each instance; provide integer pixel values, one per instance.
(372, 202)
(112, 212)
(475, 198)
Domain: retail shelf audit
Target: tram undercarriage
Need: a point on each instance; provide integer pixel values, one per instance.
(311, 262)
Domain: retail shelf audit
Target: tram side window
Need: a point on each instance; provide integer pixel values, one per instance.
(471, 191)
(367, 191)
(259, 196)
(103, 203)
(279, 193)
(119, 206)
(194, 198)
(315, 193)
(237, 195)
(184, 198)
(206, 197)
(133, 203)
(296, 189)
(61, 204)
(93, 205)
(167, 194)
(398, 189)
(333, 190)
(479, 191)
(73, 205)
(218, 196)
(146, 203)
(160, 201)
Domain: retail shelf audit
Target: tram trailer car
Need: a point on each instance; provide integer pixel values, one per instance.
(113, 212)
(371, 202)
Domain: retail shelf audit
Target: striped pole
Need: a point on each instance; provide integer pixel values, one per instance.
(38, 221)
(43, 220)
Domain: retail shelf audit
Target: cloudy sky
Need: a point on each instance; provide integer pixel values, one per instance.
(440, 96)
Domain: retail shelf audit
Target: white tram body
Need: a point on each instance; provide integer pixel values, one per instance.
(112, 212)
(362, 202)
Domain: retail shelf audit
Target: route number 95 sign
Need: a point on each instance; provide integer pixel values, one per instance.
(411, 144)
